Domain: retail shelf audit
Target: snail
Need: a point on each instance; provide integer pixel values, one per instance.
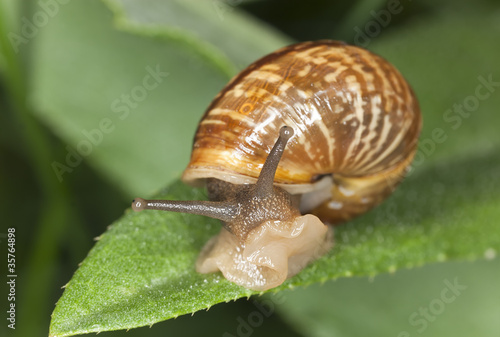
(308, 136)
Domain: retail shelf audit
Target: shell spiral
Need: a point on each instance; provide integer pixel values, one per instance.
(356, 123)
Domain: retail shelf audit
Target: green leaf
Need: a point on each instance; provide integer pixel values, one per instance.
(141, 272)
(446, 299)
(201, 24)
(93, 86)
(142, 269)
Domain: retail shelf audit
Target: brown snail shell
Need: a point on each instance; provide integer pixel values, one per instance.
(353, 126)
(355, 117)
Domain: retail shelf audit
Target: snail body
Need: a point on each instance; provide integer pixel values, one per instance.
(348, 126)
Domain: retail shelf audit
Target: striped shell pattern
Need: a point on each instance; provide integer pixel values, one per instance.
(356, 123)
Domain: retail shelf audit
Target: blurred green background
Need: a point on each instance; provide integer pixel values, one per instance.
(74, 81)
